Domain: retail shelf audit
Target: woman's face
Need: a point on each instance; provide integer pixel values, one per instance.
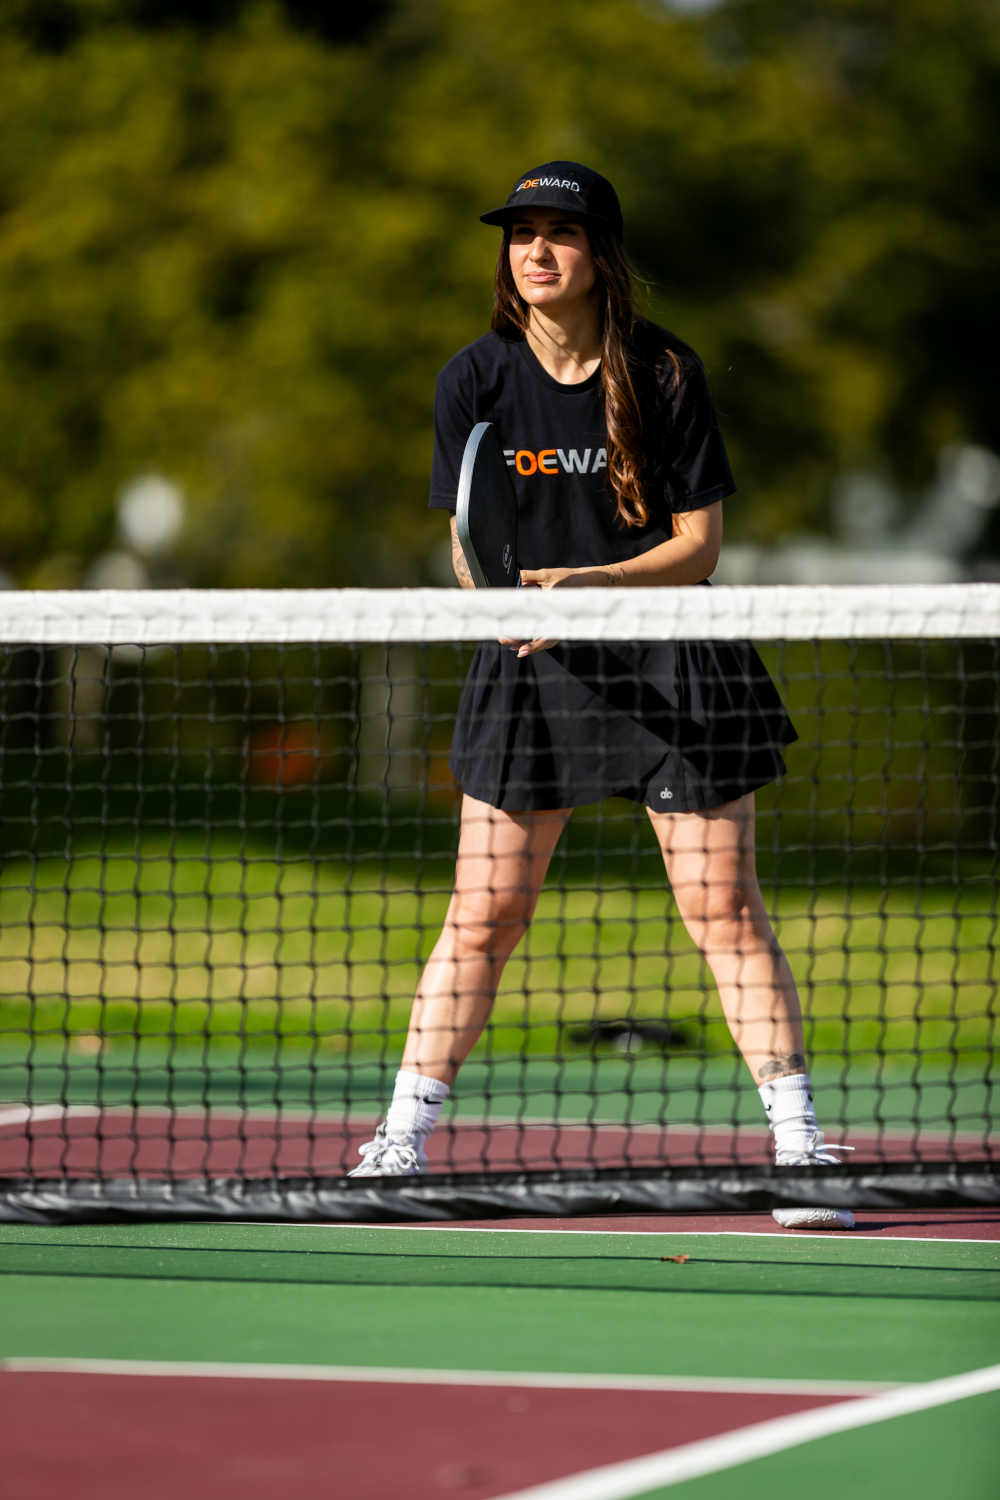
(550, 259)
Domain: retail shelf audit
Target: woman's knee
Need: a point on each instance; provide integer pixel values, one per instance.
(726, 918)
(721, 892)
(490, 922)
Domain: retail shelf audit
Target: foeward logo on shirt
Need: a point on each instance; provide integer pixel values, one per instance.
(556, 460)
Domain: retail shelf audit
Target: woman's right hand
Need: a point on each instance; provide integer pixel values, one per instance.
(523, 648)
(527, 648)
(560, 578)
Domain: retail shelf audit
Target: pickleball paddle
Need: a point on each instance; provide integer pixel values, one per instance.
(486, 511)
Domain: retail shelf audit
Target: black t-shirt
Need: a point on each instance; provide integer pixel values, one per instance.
(680, 725)
(555, 440)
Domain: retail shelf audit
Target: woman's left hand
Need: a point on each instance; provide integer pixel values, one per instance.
(571, 578)
(556, 578)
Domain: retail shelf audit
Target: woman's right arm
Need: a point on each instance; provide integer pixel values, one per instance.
(454, 418)
(458, 561)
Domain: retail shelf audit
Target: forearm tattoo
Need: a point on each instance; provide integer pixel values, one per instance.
(460, 565)
(782, 1067)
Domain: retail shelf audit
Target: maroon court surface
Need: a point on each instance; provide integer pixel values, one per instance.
(81, 1142)
(85, 1143)
(160, 1437)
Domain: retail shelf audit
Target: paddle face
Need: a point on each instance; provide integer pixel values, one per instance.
(486, 511)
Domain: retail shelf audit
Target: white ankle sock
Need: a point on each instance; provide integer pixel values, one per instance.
(789, 1105)
(416, 1104)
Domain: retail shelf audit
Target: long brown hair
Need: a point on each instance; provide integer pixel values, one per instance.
(621, 366)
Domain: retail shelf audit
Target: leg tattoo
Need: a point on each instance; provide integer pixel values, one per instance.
(782, 1067)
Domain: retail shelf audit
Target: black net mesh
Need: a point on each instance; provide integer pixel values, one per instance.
(225, 865)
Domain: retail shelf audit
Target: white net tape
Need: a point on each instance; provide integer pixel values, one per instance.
(236, 616)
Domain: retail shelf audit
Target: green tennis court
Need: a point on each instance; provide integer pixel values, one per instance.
(605, 1361)
(215, 917)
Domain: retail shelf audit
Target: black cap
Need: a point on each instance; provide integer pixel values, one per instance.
(566, 185)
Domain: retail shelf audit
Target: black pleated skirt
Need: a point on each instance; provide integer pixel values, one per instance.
(678, 726)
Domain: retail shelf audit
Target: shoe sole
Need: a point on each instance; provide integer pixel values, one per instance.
(813, 1218)
(364, 1170)
(386, 1172)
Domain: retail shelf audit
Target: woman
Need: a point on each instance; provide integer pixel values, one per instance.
(621, 472)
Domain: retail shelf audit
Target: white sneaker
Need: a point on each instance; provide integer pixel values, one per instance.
(817, 1153)
(391, 1156)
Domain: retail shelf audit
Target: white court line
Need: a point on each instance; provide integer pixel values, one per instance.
(25, 1114)
(637, 1476)
(667, 1233)
(390, 1376)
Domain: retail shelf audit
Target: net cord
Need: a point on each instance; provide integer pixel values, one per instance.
(277, 616)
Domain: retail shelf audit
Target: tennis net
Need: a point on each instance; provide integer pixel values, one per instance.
(228, 837)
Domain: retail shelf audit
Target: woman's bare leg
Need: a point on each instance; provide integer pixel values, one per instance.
(711, 865)
(502, 862)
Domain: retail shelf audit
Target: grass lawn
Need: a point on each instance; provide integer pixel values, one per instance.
(193, 940)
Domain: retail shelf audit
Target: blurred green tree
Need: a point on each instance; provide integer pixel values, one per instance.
(238, 238)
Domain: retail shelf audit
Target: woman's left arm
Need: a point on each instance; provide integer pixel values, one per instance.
(688, 557)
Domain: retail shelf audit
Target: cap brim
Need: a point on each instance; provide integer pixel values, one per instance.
(503, 216)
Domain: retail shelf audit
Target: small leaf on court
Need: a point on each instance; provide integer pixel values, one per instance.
(680, 1259)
